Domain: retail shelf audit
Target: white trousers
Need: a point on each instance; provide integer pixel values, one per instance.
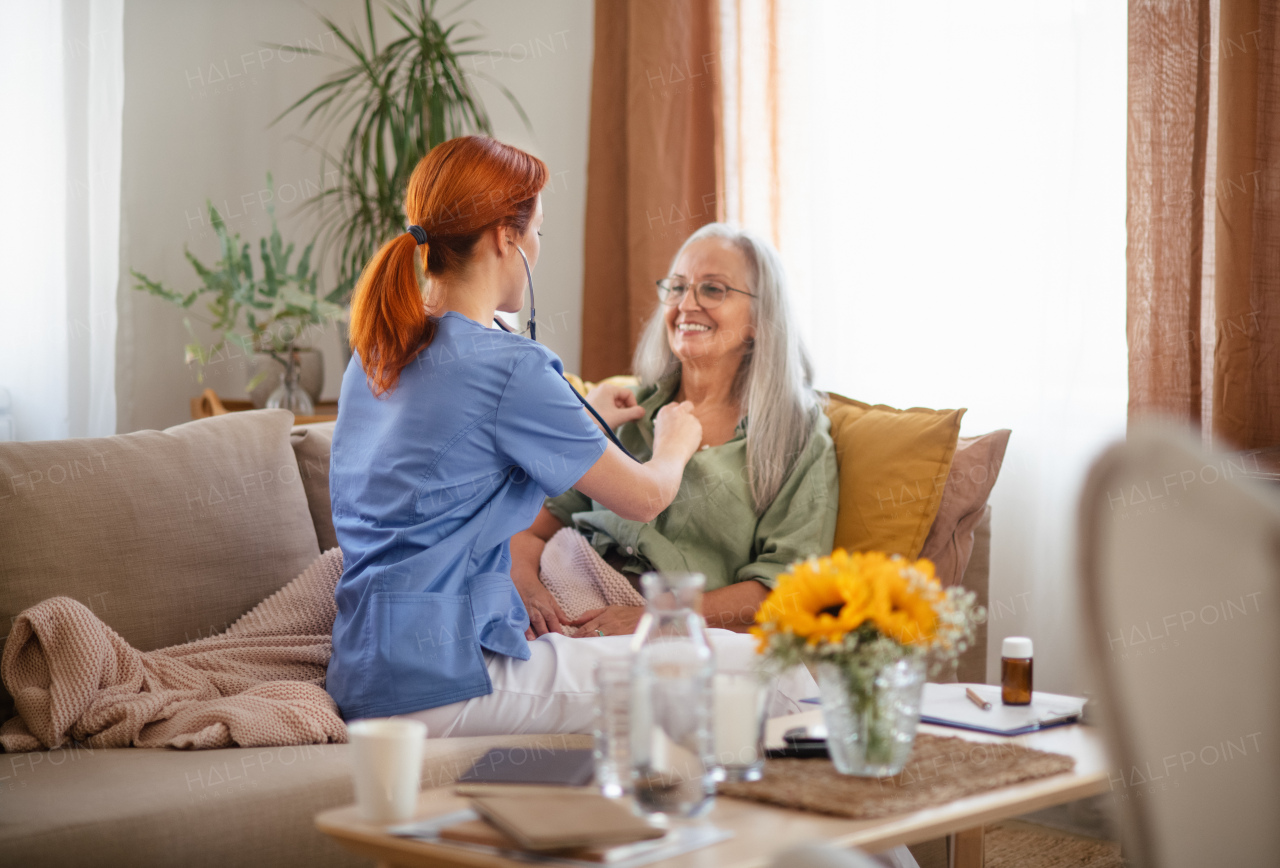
(553, 692)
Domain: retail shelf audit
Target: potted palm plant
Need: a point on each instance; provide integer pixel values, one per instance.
(271, 316)
(389, 104)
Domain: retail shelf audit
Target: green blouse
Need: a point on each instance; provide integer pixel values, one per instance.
(711, 527)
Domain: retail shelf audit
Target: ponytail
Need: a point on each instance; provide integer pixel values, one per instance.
(457, 192)
(389, 324)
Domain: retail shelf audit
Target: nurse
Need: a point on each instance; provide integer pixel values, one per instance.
(450, 435)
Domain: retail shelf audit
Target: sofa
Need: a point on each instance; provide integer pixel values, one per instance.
(169, 536)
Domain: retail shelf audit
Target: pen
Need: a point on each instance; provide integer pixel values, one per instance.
(976, 699)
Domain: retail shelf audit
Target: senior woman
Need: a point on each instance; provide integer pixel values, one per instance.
(760, 492)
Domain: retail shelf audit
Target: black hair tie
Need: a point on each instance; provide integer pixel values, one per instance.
(419, 234)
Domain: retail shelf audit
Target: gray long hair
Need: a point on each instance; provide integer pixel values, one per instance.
(774, 384)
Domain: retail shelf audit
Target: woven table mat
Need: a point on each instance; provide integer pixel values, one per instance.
(939, 770)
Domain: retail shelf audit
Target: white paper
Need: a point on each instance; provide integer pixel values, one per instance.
(948, 702)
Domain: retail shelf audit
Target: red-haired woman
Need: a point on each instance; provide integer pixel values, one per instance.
(450, 435)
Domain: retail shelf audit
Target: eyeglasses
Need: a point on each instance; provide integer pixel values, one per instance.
(707, 294)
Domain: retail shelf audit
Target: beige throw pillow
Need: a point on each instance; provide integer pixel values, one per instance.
(964, 498)
(311, 446)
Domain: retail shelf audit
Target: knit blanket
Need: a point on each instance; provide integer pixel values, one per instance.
(580, 579)
(258, 684)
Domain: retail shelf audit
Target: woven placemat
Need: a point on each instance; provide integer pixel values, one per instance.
(939, 769)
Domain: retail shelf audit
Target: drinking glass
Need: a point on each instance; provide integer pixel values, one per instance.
(612, 725)
(741, 699)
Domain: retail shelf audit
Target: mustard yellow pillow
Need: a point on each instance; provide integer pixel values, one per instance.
(893, 466)
(576, 381)
(583, 387)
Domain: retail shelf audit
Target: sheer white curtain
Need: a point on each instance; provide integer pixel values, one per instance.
(952, 210)
(61, 107)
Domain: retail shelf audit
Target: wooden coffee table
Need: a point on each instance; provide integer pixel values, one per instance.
(761, 831)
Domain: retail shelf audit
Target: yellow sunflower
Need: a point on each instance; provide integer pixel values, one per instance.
(818, 600)
(906, 598)
(823, 599)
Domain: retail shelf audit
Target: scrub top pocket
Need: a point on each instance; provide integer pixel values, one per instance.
(427, 649)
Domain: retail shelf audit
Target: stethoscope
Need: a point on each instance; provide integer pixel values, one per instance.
(532, 326)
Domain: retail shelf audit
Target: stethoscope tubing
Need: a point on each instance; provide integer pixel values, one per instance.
(533, 335)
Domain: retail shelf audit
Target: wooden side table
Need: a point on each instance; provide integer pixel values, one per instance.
(209, 404)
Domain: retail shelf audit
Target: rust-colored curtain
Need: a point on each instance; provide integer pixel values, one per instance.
(1246, 364)
(1168, 132)
(654, 164)
(1204, 216)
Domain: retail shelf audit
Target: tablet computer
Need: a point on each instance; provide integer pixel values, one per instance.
(532, 765)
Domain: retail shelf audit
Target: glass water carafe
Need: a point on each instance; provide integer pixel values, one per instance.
(672, 737)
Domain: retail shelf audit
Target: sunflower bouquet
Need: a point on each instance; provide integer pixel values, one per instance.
(868, 622)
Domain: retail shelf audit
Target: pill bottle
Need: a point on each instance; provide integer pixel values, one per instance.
(1015, 671)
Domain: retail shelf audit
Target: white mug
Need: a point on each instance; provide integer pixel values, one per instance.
(386, 761)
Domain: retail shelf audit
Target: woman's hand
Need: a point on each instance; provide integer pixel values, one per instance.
(545, 614)
(677, 429)
(609, 621)
(640, 492)
(615, 404)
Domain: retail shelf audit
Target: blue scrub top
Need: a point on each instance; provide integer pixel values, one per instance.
(428, 485)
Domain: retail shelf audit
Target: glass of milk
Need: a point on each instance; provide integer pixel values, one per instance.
(741, 697)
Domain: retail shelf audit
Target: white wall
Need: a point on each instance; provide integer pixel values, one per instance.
(201, 89)
(542, 52)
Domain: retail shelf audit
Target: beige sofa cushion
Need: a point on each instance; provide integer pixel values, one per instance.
(166, 536)
(139, 807)
(311, 446)
(964, 500)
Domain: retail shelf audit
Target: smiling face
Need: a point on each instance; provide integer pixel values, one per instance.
(700, 336)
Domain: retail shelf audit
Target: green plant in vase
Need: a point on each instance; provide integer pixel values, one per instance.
(270, 314)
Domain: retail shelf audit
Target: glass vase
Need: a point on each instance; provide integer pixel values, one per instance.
(290, 395)
(871, 719)
(673, 762)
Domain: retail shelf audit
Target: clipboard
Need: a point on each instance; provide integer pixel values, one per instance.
(947, 705)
